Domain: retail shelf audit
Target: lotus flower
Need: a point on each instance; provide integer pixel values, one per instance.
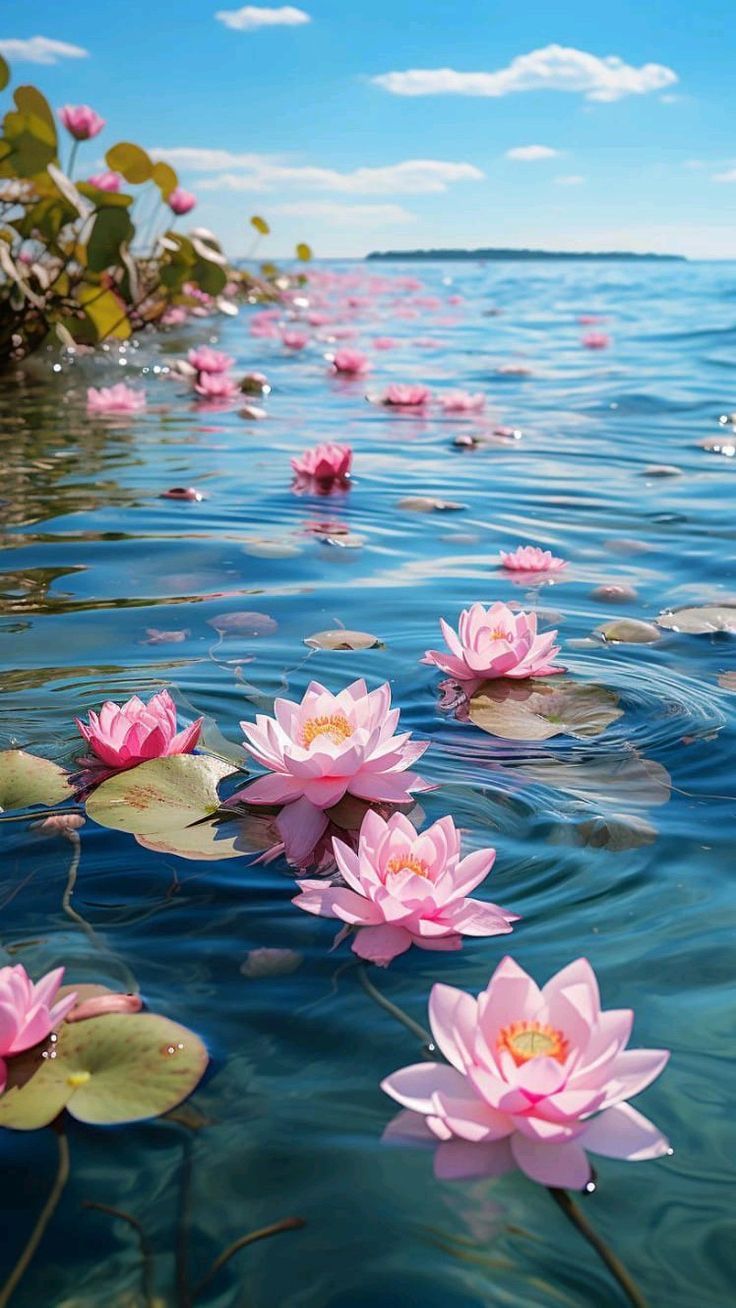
(215, 386)
(212, 361)
(293, 340)
(596, 341)
(462, 401)
(351, 363)
(115, 399)
(529, 558)
(105, 181)
(495, 642)
(175, 316)
(123, 735)
(406, 397)
(384, 343)
(28, 1013)
(327, 463)
(80, 121)
(536, 1078)
(181, 201)
(331, 745)
(407, 889)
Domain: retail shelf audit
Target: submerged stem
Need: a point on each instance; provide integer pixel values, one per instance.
(394, 1009)
(42, 1221)
(286, 1224)
(606, 1255)
(147, 1280)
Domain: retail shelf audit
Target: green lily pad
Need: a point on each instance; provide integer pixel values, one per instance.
(107, 1070)
(26, 780)
(538, 710)
(161, 796)
(700, 620)
(203, 841)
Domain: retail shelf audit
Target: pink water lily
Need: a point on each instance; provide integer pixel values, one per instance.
(462, 401)
(115, 399)
(28, 1013)
(294, 340)
(535, 1078)
(400, 395)
(405, 888)
(123, 735)
(529, 558)
(331, 745)
(80, 121)
(105, 181)
(351, 363)
(205, 359)
(324, 463)
(495, 642)
(181, 201)
(596, 341)
(215, 386)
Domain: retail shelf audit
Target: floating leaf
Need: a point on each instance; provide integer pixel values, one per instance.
(614, 831)
(165, 178)
(260, 963)
(538, 710)
(624, 780)
(106, 1070)
(701, 620)
(207, 841)
(162, 796)
(131, 161)
(341, 639)
(426, 504)
(244, 624)
(303, 252)
(26, 780)
(628, 631)
(260, 225)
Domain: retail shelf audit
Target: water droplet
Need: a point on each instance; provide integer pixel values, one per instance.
(591, 1187)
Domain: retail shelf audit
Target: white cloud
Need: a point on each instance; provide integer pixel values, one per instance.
(728, 176)
(571, 179)
(553, 68)
(531, 153)
(252, 17)
(260, 173)
(40, 50)
(362, 215)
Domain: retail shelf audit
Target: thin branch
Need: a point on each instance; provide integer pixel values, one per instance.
(42, 1221)
(265, 1233)
(146, 1248)
(606, 1255)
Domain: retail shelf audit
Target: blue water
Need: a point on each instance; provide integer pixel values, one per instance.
(290, 1117)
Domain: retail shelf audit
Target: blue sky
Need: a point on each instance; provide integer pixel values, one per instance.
(307, 115)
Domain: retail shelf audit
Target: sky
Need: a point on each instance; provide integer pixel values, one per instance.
(412, 123)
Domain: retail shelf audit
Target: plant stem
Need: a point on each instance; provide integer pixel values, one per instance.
(394, 1009)
(287, 1224)
(606, 1255)
(72, 158)
(42, 1221)
(184, 1294)
(147, 1281)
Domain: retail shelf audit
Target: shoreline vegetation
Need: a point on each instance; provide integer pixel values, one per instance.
(493, 252)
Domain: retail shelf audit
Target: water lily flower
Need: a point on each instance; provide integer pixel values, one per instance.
(495, 642)
(215, 386)
(405, 888)
(205, 359)
(529, 558)
(189, 493)
(384, 343)
(294, 340)
(536, 1078)
(174, 316)
(115, 399)
(331, 745)
(326, 463)
(181, 201)
(406, 396)
(28, 1013)
(80, 121)
(596, 341)
(351, 363)
(105, 181)
(123, 735)
(462, 401)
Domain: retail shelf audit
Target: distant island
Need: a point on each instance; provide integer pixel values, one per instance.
(501, 253)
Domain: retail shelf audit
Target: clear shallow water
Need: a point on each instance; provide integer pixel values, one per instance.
(94, 562)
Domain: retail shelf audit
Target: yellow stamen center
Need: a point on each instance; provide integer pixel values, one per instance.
(498, 634)
(334, 725)
(407, 863)
(525, 1040)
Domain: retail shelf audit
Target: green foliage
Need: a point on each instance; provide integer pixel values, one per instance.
(111, 230)
(130, 161)
(165, 178)
(260, 225)
(303, 252)
(26, 780)
(4, 74)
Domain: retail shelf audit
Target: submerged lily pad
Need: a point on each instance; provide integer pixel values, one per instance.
(628, 631)
(26, 779)
(161, 796)
(427, 504)
(623, 780)
(700, 620)
(538, 710)
(341, 639)
(613, 831)
(244, 624)
(111, 1069)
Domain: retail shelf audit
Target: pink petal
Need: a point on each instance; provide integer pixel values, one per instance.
(564, 1166)
(274, 788)
(452, 1017)
(457, 1160)
(415, 1086)
(621, 1132)
(631, 1071)
(379, 944)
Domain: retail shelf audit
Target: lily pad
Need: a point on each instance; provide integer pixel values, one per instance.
(107, 1070)
(615, 832)
(205, 841)
(628, 631)
(26, 779)
(260, 963)
(243, 624)
(163, 796)
(700, 620)
(622, 780)
(341, 639)
(537, 710)
(427, 504)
